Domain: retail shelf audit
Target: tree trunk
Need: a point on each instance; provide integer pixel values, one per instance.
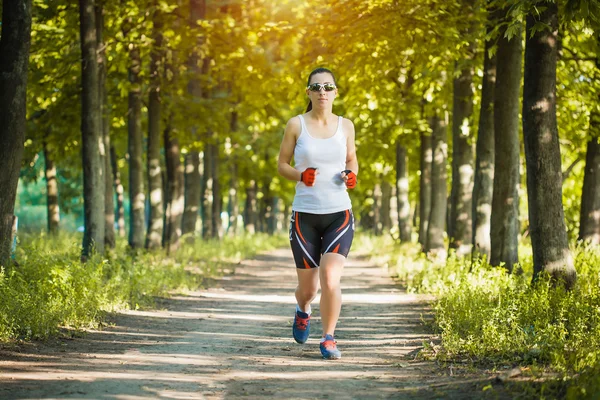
(589, 221)
(118, 187)
(51, 192)
(174, 195)
(207, 192)
(154, 234)
(439, 201)
(505, 205)
(233, 208)
(217, 205)
(137, 197)
(250, 209)
(14, 59)
(484, 157)
(425, 187)
(192, 192)
(461, 197)
(549, 241)
(386, 202)
(404, 220)
(92, 140)
(109, 206)
(377, 204)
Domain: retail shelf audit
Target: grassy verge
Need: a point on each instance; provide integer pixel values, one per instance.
(50, 288)
(492, 318)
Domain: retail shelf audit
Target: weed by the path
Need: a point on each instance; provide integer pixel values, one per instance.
(485, 314)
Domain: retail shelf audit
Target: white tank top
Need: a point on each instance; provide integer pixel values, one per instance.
(328, 195)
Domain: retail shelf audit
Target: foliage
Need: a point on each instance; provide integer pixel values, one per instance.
(489, 316)
(50, 288)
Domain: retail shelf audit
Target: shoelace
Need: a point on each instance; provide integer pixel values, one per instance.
(330, 344)
(302, 323)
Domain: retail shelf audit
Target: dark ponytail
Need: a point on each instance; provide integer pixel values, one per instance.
(319, 70)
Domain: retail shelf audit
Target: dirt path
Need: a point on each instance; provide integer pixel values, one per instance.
(234, 341)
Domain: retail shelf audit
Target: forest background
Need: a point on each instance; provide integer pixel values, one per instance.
(160, 121)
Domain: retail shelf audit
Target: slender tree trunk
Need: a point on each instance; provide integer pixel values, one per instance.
(425, 187)
(92, 140)
(109, 207)
(439, 201)
(589, 228)
(377, 204)
(207, 195)
(118, 187)
(461, 200)
(551, 253)
(137, 197)
(174, 196)
(250, 208)
(507, 177)
(404, 220)
(217, 205)
(154, 234)
(51, 191)
(192, 192)
(483, 186)
(386, 199)
(232, 203)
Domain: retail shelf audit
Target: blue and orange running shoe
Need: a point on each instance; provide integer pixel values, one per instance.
(329, 349)
(301, 327)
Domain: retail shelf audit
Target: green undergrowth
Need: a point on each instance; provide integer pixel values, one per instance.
(495, 319)
(49, 288)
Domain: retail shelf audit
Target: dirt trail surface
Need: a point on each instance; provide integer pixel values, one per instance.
(234, 341)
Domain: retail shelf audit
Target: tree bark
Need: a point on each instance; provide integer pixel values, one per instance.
(386, 210)
(505, 205)
(404, 220)
(137, 197)
(233, 208)
(192, 192)
(154, 234)
(207, 192)
(461, 197)
(439, 202)
(53, 211)
(217, 205)
(589, 221)
(250, 209)
(118, 187)
(109, 206)
(92, 140)
(483, 185)
(377, 204)
(425, 187)
(551, 253)
(174, 195)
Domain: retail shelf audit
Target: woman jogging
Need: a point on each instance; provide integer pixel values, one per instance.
(322, 223)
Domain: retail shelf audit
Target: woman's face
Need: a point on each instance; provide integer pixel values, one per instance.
(322, 98)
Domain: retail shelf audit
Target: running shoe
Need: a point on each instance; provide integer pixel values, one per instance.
(329, 349)
(301, 327)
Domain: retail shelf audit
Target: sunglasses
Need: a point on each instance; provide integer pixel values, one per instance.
(316, 87)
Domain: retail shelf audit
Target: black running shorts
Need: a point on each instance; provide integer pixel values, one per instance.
(312, 235)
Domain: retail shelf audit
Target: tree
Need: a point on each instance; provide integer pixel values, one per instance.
(92, 143)
(551, 252)
(484, 152)
(505, 205)
(155, 184)
(14, 59)
(437, 216)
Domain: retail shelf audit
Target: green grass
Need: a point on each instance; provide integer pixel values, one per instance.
(50, 288)
(495, 319)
